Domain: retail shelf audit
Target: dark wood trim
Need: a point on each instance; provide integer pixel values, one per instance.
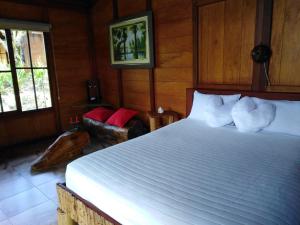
(32, 74)
(151, 70)
(200, 3)
(264, 11)
(80, 5)
(115, 8)
(148, 5)
(1, 104)
(92, 50)
(264, 95)
(120, 88)
(13, 69)
(53, 79)
(89, 205)
(195, 46)
(225, 86)
(152, 90)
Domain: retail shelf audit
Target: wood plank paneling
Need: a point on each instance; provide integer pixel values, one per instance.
(136, 92)
(16, 129)
(174, 52)
(285, 63)
(248, 31)
(102, 14)
(226, 37)
(72, 67)
(72, 59)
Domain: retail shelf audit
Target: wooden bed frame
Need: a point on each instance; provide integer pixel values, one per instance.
(75, 210)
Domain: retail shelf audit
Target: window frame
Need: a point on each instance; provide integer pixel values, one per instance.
(13, 71)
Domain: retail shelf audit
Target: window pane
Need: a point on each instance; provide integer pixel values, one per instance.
(42, 88)
(4, 58)
(21, 49)
(37, 46)
(26, 89)
(7, 92)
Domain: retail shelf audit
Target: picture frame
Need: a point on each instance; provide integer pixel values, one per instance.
(131, 41)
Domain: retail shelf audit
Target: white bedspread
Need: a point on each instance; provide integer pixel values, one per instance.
(188, 173)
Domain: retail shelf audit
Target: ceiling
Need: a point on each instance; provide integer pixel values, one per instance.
(58, 3)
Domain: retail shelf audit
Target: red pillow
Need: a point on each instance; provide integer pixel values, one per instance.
(121, 117)
(99, 114)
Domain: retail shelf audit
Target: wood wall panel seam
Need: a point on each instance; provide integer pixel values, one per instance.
(115, 9)
(195, 16)
(264, 12)
(151, 71)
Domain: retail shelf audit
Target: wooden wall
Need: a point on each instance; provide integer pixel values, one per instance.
(173, 47)
(227, 31)
(285, 62)
(226, 37)
(72, 67)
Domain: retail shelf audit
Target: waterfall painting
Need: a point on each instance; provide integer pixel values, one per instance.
(131, 42)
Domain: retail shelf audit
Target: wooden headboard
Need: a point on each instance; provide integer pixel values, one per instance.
(265, 95)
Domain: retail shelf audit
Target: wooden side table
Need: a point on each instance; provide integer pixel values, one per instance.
(156, 119)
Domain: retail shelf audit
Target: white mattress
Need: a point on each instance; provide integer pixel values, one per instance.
(188, 173)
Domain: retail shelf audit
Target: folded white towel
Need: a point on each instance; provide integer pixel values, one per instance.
(251, 117)
(219, 115)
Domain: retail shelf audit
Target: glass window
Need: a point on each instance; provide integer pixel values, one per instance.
(27, 75)
(38, 52)
(4, 57)
(7, 94)
(8, 100)
(21, 48)
(42, 88)
(26, 89)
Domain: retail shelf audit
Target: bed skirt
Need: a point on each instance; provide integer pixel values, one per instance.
(75, 210)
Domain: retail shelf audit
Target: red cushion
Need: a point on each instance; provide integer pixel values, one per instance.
(100, 114)
(121, 117)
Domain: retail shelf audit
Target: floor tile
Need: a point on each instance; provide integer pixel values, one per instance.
(13, 187)
(49, 189)
(21, 202)
(7, 175)
(23, 160)
(55, 201)
(39, 178)
(44, 214)
(2, 216)
(5, 222)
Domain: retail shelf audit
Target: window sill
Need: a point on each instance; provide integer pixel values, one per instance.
(19, 114)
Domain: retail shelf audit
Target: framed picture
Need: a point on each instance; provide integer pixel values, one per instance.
(131, 42)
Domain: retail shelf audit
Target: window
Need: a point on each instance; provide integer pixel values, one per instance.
(24, 80)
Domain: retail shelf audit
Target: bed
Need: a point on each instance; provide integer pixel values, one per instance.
(188, 173)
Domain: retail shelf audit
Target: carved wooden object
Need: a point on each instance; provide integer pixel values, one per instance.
(67, 147)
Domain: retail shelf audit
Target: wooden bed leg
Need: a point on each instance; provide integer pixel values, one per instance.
(63, 218)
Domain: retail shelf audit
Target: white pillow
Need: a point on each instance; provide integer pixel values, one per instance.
(251, 117)
(287, 118)
(219, 116)
(213, 109)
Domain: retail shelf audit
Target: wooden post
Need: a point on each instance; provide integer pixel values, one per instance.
(264, 12)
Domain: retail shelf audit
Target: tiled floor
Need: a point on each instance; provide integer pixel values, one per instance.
(25, 198)
(30, 199)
